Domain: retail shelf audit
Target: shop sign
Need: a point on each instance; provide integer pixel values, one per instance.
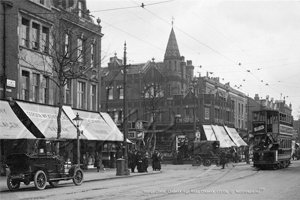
(197, 134)
(188, 120)
(131, 135)
(140, 135)
(11, 83)
(139, 125)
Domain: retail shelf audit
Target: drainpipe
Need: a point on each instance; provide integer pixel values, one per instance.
(6, 4)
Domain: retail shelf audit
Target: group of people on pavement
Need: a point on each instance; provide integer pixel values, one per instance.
(140, 160)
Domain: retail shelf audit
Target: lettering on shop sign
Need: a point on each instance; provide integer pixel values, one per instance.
(259, 128)
(187, 120)
(3, 111)
(9, 124)
(45, 115)
(88, 120)
(55, 129)
(100, 131)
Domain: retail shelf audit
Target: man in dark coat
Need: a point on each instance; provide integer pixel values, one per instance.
(156, 159)
(223, 159)
(146, 161)
(133, 159)
(139, 159)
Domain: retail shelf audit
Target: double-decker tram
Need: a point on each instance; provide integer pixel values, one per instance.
(273, 131)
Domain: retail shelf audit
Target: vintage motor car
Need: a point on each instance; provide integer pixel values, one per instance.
(206, 152)
(40, 167)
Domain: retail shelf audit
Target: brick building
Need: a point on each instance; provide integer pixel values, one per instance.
(50, 54)
(41, 35)
(182, 104)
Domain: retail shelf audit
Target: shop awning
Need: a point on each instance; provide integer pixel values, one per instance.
(235, 137)
(44, 117)
(209, 133)
(115, 133)
(10, 125)
(96, 126)
(222, 137)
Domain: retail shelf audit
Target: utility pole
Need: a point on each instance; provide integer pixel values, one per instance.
(194, 101)
(125, 120)
(248, 127)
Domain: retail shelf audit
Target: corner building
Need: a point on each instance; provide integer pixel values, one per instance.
(174, 108)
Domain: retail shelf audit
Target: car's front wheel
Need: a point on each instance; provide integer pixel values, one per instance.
(78, 177)
(12, 184)
(40, 180)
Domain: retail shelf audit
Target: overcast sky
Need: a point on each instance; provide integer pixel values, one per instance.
(254, 45)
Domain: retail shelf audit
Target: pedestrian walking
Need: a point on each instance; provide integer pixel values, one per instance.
(223, 159)
(156, 161)
(139, 159)
(133, 160)
(97, 161)
(146, 161)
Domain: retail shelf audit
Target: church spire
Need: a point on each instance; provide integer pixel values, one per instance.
(172, 51)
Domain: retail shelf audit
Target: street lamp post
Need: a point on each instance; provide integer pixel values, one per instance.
(194, 102)
(77, 120)
(125, 120)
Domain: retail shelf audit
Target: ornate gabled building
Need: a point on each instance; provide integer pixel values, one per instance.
(169, 100)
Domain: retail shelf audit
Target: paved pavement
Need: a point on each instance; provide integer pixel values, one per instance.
(110, 173)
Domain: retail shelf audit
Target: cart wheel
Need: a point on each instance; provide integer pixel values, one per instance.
(40, 180)
(78, 177)
(207, 162)
(12, 184)
(54, 183)
(197, 161)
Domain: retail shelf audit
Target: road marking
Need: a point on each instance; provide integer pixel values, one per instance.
(213, 166)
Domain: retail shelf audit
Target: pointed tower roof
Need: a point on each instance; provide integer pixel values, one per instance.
(172, 51)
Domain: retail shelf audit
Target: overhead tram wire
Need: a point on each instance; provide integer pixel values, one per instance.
(133, 36)
(129, 7)
(104, 10)
(235, 45)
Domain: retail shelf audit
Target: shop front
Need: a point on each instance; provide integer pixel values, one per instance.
(11, 130)
(96, 130)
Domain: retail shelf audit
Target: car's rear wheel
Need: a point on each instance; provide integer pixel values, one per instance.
(54, 183)
(197, 161)
(12, 184)
(78, 177)
(207, 162)
(40, 180)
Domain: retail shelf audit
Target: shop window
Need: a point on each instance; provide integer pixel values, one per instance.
(121, 93)
(80, 9)
(110, 93)
(67, 96)
(67, 46)
(80, 50)
(35, 36)
(45, 85)
(24, 32)
(93, 97)
(80, 95)
(35, 87)
(92, 55)
(45, 40)
(25, 85)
